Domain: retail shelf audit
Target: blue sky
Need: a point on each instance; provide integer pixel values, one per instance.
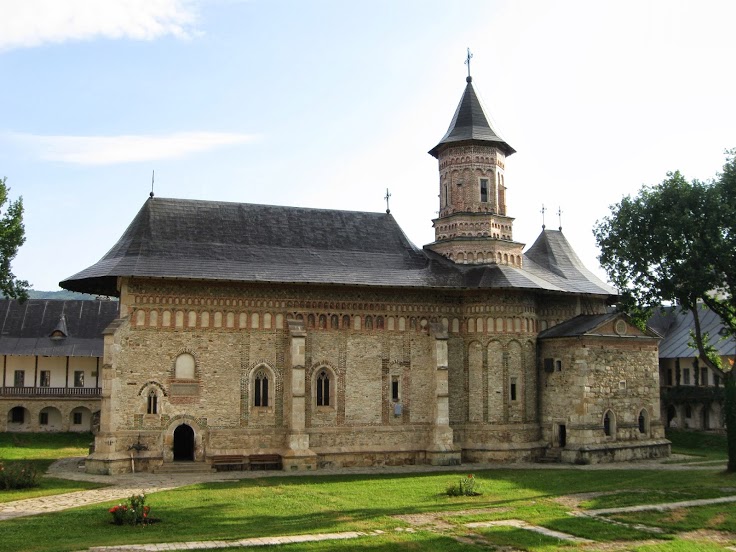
(328, 103)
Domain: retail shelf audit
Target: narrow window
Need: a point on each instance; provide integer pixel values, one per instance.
(642, 421)
(323, 389)
(78, 378)
(513, 389)
(607, 424)
(395, 388)
(669, 377)
(261, 389)
(77, 418)
(447, 195)
(558, 365)
(43, 418)
(17, 415)
(45, 378)
(152, 407)
(484, 190)
(686, 376)
(704, 376)
(19, 378)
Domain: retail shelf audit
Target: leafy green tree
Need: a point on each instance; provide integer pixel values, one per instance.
(676, 242)
(12, 236)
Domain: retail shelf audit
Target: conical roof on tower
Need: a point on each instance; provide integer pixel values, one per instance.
(470, 124)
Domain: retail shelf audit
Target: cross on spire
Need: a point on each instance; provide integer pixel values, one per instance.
(544, 210)
(467, 62)
(559, 216)
(387, 197)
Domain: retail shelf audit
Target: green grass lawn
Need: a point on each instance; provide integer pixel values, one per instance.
(318, 504)
(41, 449)
(704, 446)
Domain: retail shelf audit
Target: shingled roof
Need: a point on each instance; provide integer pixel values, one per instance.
(239, 242)
(675, 325)
(29, 328)
(470, 124)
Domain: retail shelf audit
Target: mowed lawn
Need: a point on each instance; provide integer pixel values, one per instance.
(295, 505)
(40, 450)
(318, 504)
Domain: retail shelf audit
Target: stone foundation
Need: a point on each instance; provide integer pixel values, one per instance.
(616, 452)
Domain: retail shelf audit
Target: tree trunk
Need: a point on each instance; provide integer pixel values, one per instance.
(729, 406)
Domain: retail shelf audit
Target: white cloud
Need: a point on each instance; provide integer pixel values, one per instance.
(112, 150)
(28, 23)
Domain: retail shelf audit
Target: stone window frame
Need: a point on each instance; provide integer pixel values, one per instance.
(152, 402)
(332, 388)
(43, 418)
(487, 181)
(609, 425)
(77, 418)
(268, 371)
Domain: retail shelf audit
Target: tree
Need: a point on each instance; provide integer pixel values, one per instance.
(676, 242)
(12, 236)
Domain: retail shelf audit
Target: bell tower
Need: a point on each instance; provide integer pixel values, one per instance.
(473, 227)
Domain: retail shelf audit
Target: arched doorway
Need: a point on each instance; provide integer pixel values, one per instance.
(183, 443)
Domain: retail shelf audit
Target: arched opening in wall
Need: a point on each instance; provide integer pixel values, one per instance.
(609, 424)
(671, 416)
(49, 419)
(19, 419)
(80, 419)
(262, 388)
(643, 421)
(322, 390)
(183, 444)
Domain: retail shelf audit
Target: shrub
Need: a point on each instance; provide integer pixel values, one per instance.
(133, 512)
(18, 475)
(467, 486)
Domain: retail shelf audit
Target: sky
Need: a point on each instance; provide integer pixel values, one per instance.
(328, 103)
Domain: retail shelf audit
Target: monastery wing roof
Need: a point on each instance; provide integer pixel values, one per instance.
(675, 325)
(595, 325)
(27, 328)
(553, 260)
(207, 240)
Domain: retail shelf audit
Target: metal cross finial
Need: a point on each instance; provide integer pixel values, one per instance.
(387, 197)
(153, 173)
(559, 216)
(544, 210)
(467, 60)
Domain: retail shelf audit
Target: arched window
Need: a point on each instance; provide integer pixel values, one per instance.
(322, 322)
(379, 322)
(346, 321)
(310, 321)
(323, 388)
(609, 424)
(260, 391)
(334, 322)
(368, 322)
(643, 421)
(152, 406)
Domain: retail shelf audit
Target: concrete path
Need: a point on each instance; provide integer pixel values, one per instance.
(208, 545)
(520, 524)
(660, 507)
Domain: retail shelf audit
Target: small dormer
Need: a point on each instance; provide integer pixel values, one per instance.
(60, 331)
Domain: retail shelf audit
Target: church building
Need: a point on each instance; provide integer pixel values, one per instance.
(315, 338)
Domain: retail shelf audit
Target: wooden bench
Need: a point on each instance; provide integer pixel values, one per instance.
(264, 462)
(228, 462)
